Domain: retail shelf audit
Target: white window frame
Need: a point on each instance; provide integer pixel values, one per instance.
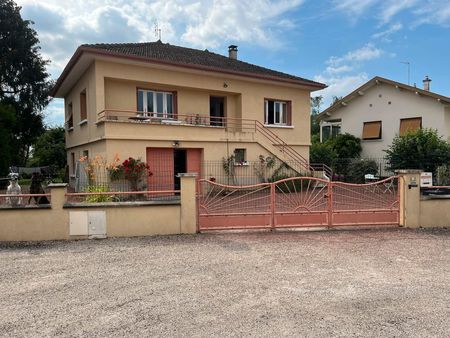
(154, 113)
(331, 125)
(282, 116)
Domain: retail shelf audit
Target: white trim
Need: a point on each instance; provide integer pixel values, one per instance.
(83, 122)
(155, 113)
(283, 126)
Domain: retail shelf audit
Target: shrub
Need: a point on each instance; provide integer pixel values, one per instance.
(133, 170)
(423, 149)
(322, 153)
(357, 168)
(443, 175)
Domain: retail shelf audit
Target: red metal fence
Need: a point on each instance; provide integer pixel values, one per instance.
(297, 202)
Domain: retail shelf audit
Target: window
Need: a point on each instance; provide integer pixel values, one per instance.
(329, 130)
(410, 125)
(72, 162)
(239, 156)
(83, 106)
(86, 154)
(371, 130)
(156, 104)
(69, 119)
(277, 112)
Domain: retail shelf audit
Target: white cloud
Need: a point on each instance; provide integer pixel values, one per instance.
(339, 85)
(419, 11)
(393, 7)
(365, 53)
(354, 7)
(385, 35)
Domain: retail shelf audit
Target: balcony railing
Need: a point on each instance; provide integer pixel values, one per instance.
(199, 120)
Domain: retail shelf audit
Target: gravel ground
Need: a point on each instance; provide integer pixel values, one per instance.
(388, 282)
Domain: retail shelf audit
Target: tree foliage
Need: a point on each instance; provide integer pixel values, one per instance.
(50, 149)
(423, 149)
(24, 82)
(316, 102)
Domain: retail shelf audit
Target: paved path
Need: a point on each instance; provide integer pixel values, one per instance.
(338, 283)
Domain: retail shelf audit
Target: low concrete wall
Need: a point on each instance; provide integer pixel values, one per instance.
(122, 220)
(434, 212)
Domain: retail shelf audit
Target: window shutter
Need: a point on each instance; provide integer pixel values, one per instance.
(372, 130)
(289, 113)
(407, 125)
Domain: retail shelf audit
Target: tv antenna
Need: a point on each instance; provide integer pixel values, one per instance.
(409, 70)
(157, 31)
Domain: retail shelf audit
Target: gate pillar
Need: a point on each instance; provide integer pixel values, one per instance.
(409, 182)
(188, 199)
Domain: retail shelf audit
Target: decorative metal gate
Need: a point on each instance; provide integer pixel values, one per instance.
(297, 202)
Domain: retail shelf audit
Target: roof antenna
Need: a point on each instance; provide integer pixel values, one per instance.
(409, 69)
(157, 31)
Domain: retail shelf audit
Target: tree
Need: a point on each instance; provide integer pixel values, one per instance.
(346, 147)
(423, 149)
(24, 81)
(7, 118)
(50, 149)
(315, 101)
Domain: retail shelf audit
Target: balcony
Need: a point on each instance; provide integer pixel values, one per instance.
(195, 120)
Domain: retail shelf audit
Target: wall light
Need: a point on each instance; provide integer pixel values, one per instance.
(225, 85)
(176, 144)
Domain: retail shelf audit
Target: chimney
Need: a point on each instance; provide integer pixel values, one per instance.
(426, 83)
(232, 52)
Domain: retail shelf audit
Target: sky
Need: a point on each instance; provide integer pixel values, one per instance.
(342, 43)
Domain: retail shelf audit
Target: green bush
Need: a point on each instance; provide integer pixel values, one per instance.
(357, 168)
(423, 149)
(322, 153)
(443, 175)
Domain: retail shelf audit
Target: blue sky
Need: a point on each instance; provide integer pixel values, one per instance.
(342, 43)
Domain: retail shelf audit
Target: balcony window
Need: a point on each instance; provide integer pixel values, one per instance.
(277, 113)
(156, 104)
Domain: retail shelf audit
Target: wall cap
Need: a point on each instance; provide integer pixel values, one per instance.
(57, 185)
(409, 171)
(187, 175)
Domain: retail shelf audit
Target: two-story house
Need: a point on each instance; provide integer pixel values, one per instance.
(176, 107)
(381, 109)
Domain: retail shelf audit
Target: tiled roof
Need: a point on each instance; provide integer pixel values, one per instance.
(194, 57)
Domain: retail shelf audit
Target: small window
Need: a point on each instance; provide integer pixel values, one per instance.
(410, 125)
(69, 119)
(86, 154)
(239, 156)
(83, 106)
(372, 130)
(277, 112)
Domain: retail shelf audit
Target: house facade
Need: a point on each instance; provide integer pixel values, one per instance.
(176, 107)
(381, 109)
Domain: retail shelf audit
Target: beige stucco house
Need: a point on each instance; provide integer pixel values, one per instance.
(177, 107)
(381, 109)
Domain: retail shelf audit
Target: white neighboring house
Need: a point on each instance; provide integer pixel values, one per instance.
(381, 109)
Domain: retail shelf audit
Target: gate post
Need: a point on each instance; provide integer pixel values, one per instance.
(409, 181)
(330, 203)
(188, 197)
(272, 206)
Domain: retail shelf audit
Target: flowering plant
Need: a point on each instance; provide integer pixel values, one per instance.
(131, 169)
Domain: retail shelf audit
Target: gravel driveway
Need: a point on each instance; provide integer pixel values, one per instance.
(389, 282)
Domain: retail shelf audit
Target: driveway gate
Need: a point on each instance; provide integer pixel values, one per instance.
(297, 202)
